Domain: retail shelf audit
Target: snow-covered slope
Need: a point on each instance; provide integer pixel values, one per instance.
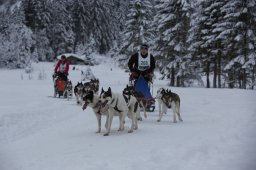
(38, 132)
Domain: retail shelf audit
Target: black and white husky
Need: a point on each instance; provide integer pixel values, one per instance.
(117, 106)
(166, 100)
(129, 90)
(134, 110)
(93, 100)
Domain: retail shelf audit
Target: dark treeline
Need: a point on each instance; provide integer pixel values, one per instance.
(191, 39)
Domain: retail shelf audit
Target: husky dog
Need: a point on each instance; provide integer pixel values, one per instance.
(134, 111)
(129, 90)
(168, 99)
(117, 105)
(94, 84)
(78, 90)
(94, 102)
(161, 106)
(68, 89)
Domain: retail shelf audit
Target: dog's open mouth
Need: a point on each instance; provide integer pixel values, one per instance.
(85, 105)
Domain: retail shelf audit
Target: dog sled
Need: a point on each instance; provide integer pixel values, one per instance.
(59, 86)
(142, 87)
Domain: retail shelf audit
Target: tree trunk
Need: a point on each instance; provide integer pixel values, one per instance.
(178, 81)
(244, 82)
(208, 75)
(231, 79)
(219, 70)
(253, 77)
(215, 73)
(172, 77)
(240, 78)
(74, 46)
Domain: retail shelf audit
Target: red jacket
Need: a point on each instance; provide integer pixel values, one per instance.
(60, 64)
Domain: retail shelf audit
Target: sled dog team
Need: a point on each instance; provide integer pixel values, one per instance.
(128, 103)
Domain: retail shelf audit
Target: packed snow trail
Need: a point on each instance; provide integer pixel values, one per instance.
(42, 133)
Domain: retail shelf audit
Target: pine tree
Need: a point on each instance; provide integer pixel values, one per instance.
(59, 31)
(215, 20)
(16, 41)
(37, 15)
(137, 27)
(101, 25)
(81, 18)
(172, 27)
(241, 16)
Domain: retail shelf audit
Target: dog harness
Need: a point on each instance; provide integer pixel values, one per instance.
(127, 99)
(116, 108)
(99, 107)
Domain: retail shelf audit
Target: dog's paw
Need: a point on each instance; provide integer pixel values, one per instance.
(139, 119)
(130, 131)
(106, 134)
(158, 120)
(180, 119)
(121, 129)
(97, 131)
(145, 115)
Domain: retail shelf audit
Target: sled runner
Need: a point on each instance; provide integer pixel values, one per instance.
(142, 86)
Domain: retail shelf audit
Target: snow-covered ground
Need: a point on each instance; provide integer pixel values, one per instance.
(38, 132)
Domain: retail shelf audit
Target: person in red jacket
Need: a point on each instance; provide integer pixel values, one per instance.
(142, 63)
(62, 68)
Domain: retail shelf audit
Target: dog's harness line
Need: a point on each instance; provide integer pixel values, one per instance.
(116, 108)
(127, 99)
(141, 98)
(97, 105)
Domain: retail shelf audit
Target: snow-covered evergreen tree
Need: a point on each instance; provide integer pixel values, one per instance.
(101, 25)
(199, 36)
(59, 31)
(16, 41)
(173, 24)
(81, 18)
(212, 40)
(241, 41)
(36, 13)
(137, 27)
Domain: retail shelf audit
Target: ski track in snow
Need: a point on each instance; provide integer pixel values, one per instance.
(38, 132)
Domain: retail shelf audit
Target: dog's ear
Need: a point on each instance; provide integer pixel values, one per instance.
(168, 91)
(102, 91)
(109, 90)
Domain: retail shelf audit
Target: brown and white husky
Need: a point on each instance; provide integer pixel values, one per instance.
(166, 100)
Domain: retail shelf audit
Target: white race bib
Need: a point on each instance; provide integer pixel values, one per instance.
(143, 63)
(62, 68)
